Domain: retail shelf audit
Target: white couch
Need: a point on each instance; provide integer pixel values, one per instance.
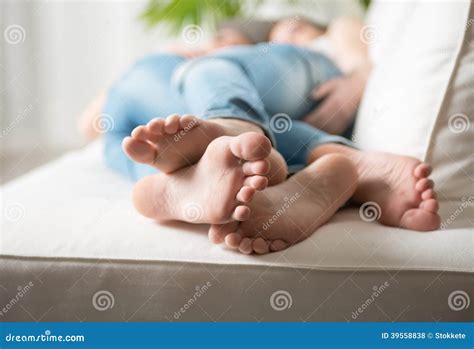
(73, 249)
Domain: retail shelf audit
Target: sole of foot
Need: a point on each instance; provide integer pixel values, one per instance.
(216, 190)
(405, 195)
(177, 141)
(290, 212)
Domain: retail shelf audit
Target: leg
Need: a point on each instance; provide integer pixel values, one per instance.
(398, 184)
(291, 211)
(233, 91)
(141, 94)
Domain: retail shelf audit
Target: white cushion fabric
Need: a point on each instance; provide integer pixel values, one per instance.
(420, 93)
(75, 208)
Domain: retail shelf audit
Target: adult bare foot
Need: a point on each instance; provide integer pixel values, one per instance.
(291, 211)
(215, 190)
(179, 141)
(398, 184)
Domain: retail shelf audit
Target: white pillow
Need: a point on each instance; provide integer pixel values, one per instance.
(419, 100)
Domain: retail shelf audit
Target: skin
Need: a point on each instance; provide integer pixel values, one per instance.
(398, 184)
(339, 97)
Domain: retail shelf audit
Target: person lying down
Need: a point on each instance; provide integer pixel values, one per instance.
(220, 157)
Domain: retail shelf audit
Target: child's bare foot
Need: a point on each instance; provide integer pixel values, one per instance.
(398, 184)
(290, 212)
(179, 141)
(215, 190)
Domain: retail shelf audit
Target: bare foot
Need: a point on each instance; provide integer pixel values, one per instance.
(291, 211)
(215, 190)
(179, 141)
(398, 184)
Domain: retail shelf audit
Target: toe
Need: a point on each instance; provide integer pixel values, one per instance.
(172, 124)
(245, 246)
(233, 240)
(140, 133)
(278, 245)
(251, 146)
(256, 182)
(422, 170)
(156, 126)
(139, 151)
(245, 194)
(261, 246)
(260, 167)
(430, 205)
(424, 184)
(241, 213)
(420, 219)
(188, 122)
(218, 232)
(429, 194)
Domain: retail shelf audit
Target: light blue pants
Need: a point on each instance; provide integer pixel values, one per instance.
(266, 84)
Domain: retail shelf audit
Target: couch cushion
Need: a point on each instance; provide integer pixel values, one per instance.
(416, 101)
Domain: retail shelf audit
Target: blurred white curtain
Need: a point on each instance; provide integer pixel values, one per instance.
(55, 56)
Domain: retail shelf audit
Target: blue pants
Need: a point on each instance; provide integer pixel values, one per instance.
(266, 84)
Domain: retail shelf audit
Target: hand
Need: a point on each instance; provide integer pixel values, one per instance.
(340, 99)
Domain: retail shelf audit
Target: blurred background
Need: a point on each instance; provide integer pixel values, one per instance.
(55, 56)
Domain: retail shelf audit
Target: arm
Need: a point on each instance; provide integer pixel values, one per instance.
(342, 95)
